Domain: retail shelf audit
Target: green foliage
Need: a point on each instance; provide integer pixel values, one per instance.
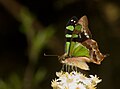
(39, 76)
(40, 40)
(15, 82)
(3, 85)
(26, 19)
(36, 38)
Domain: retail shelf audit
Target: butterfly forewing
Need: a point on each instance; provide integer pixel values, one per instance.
(69, 35)
(75, 36)
(67, 47)
(84, 22)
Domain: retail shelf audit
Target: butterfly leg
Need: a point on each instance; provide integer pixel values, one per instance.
(63, 67)
(72, 67)
(75, 68)
(66, 67)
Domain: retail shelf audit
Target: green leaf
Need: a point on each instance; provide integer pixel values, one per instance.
(70, 27)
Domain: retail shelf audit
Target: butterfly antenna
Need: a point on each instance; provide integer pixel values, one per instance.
(51, 55)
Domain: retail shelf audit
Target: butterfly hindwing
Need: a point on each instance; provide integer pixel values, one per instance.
(79, 62)
(78, 50)
(95, 55)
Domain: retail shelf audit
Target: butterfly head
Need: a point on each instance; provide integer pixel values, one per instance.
(72, 21)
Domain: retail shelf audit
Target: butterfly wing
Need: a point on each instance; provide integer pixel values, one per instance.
(70, 27)
(79, 47)
(78, 50)
(84, 22)
(69, 36)
(77, 54)
(74, 48)
(79, 62)
(95, 55)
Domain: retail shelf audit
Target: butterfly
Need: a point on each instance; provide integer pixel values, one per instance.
(80, 48)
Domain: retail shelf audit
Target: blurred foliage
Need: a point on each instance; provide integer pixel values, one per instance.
(36, 38)
(39, 76)
(60, 4)
(14, 81)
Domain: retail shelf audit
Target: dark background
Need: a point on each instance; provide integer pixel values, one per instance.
(104, 23)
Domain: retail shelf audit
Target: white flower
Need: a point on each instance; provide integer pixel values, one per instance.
(74, 80)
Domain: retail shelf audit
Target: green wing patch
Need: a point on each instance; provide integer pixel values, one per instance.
(68, 36)
(78, 27)
(78, 50)
(67, 47)
(70, 27)
(74, 36)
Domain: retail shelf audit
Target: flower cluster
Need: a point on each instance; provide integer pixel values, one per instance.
(74, 80)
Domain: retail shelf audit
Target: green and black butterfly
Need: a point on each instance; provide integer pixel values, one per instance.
(80, 48)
